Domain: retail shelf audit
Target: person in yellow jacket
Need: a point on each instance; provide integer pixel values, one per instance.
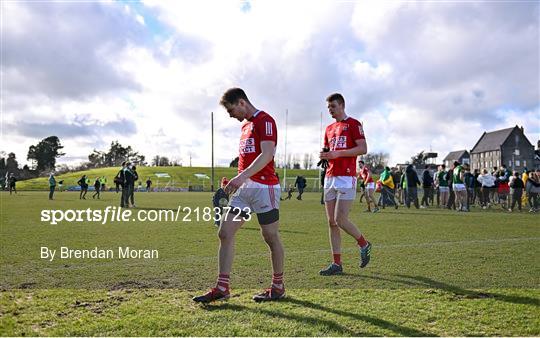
(387, 192)
(524, 178)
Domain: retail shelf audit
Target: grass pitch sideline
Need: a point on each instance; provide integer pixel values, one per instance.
(433, 272)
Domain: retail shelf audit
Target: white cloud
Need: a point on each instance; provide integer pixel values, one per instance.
(417, 74)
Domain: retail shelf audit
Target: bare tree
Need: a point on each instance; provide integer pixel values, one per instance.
(376, 161)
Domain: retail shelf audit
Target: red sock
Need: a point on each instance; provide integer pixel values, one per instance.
(277, 281)
(361, 241)
(337, 259)
(223, 283)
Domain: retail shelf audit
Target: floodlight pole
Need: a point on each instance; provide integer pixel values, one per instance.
(212, 124)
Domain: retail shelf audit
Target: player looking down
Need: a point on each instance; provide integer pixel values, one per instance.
(255, 189)
(345, 140)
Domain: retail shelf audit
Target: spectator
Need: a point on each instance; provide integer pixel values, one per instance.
(301, 184)
(83, 183)
(477, 187)
(103, 184)
(516, 191)
(451, 203)
(11, 183)
(487, 181)
(387, 191)
(468, 179)
(119, 178)
(411, 182)
(533, 190)
(52, 185)
(132, 185)
(503, 189)
(97, 188)
(441, 182)
(148, 184)
(396, 177)
(427, 185)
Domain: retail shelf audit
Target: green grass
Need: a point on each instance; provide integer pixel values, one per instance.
(433, 272)
(180, 176)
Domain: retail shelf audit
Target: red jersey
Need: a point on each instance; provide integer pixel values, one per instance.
(364, 172)
(341, 136)
(260, 127)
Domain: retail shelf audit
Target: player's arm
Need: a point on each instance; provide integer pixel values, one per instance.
(267, 153)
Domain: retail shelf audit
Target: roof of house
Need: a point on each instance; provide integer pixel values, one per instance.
(455, 155)
(492, 140)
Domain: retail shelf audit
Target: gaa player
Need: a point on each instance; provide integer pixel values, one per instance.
(365, 176)
(255, 189)
(345, 139)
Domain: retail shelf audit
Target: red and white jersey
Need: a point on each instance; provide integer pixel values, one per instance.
(260, 127)
(364, 173)
(342, 135)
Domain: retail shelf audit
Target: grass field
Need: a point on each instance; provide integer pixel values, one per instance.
(180, 176)
(433, 272)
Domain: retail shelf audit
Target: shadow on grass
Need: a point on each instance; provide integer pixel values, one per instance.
(458, 291)
(329, 324)
(422, 281)
(280, 230)
(310, 321)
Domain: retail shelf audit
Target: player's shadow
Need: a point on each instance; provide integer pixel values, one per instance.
(461, 292)
(329, 324)
(306, 320)
(384, 324)
(426, 282)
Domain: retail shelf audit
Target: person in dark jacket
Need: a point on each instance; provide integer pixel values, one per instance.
(97, 188)
(477, 188)
(427, 185)
(411, 181)
(300, 183)
(451, 203)
(148, 184)
(396, 177)
(469, 180)
(119, 179)
(132, 187)
(516, 191)
(127, 182)
(11, 183)
(83, 183)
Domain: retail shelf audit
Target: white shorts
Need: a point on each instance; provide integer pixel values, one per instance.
(339, 187)
(458, 187)
(444, 189)
(370, 186)
(257, 197)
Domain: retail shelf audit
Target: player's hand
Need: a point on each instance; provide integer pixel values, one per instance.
(235, 183)
(330, 155)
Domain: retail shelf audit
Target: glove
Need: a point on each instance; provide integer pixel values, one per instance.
(323, 163)
(219, 201)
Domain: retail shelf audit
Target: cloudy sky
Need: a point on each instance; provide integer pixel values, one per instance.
(419, 75)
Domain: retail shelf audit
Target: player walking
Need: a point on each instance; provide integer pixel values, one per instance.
(345, 139)
(365, 176)
(255, 189)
